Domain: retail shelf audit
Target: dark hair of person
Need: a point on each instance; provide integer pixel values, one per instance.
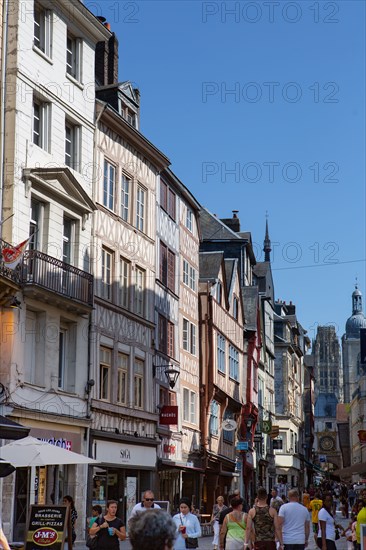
(317, 495)
(153, 530)
(236, 501)
(262, 493)
(187, 501)
(70, 500)
(109, 502)
(325, 496)
(97, 508)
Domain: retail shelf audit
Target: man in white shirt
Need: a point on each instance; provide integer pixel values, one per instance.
(294, 520)
(147, 503)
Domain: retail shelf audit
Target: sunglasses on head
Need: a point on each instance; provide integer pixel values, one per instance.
(149, 499)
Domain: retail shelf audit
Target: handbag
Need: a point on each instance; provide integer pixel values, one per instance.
(92, 541)
(337, 535)
(191, 542)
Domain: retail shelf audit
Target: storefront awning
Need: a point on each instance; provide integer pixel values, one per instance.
(180, 465)
(345, 473)
(12, 430)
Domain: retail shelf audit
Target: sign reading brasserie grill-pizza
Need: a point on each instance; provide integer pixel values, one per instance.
(47, 527)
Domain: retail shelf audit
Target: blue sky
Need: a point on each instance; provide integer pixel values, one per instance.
(289, 139)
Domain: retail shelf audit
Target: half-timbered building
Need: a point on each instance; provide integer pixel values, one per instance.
(123, 437)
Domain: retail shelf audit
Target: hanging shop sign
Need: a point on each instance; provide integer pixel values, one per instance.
(169, 415)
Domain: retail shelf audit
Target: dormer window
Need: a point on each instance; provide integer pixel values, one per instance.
(219, 292)
(128, 115)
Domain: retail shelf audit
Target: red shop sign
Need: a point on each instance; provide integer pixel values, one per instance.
(169, 415)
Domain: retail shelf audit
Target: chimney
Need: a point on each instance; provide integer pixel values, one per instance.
(233, 223)
(106, 59)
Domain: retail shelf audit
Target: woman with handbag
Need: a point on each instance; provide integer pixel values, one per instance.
(234, 526)
(188, 526)
(327, 534)
(217, 509)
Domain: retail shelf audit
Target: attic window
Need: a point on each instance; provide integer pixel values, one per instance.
(219, 292)
(128, 115)
(235, 308)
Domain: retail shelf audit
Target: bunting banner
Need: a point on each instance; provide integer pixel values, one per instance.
(13, 254)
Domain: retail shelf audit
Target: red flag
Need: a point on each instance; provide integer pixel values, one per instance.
(13, 254)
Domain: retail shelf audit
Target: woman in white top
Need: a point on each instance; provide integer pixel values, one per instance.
(187, 524)
(327, 525)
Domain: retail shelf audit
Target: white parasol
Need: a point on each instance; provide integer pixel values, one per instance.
(30, 451)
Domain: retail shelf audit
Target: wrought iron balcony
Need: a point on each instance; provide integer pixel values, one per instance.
(40, 270)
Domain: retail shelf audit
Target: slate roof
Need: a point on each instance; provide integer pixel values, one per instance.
(213, 229)
(250, 300)
(209, 264)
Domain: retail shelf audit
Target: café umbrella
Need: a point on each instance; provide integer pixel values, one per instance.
(30, 451)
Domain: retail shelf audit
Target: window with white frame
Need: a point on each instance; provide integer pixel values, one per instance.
(42, 34)
(233, 363)
(109, 185)
(189, 219)
(185, 272)
(221, 349)
(72, 145)
(73, 57)
(41, 123)
(35, 224)
(106, 280)
(189, 406)
(105, 365)
(125, 197)
(140, 208)
(189, 275)
(122, 378)
(278, 444)
(67, 357)
(124, 282)
(68, 238)
(189, 337)
(192, 278)
(139, 383)
(214, 418)
(139, 291)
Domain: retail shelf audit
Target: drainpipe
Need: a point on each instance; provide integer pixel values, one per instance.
(2, 107)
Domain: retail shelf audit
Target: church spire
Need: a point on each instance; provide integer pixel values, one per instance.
(267, 243)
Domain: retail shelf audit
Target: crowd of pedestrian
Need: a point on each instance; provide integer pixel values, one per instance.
(276, 521)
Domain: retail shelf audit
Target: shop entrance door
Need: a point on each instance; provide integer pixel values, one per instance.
(115, 489)
(20, 503)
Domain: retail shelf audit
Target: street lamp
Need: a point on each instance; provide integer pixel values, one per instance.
(170, 372)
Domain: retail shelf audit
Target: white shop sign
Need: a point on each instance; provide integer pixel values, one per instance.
(124, 453)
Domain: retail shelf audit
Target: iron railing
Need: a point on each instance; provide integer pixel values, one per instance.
(56, 276)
